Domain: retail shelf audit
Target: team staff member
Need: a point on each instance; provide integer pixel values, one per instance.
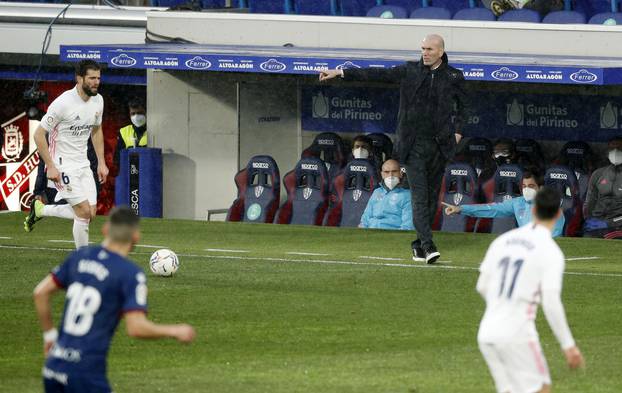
(431, 114)
(134, 134)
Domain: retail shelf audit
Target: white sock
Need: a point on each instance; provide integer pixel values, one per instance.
(81, 231)
(61, 211)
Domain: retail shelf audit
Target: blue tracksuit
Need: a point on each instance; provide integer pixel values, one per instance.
(388, 210)
(517, 207)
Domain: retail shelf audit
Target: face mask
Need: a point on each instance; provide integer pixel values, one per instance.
(391, 182)
(138, 120)
(529, 194)
(615, 156)
(359, 152)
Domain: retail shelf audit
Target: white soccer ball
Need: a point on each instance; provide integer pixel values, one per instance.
(164, 263)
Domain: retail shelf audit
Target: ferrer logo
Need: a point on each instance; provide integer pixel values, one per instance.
(260, 165)
(272, 65)
(13, 143)
(198, 63)
(504, 74)
(123, 60)
(459, 172)
(583, 76)
(309, 167)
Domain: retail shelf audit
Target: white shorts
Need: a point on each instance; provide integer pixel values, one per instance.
(517, 367)
(76, 186)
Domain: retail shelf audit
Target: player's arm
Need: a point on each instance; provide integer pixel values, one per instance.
(98, 143)
(44, 154)
(42, 294)
(483, 282)
(138, 326)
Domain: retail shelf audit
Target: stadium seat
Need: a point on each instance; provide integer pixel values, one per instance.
(563, 179)
(356, 7)
(600, 19)
(478, 13)
(316, 7)
(388, 12)
(578, 156)
(431, 13)
(259, 191)
(529, 154)
(353, 188)
(382, 148)
(506, 183)
(522, 15)
(478, 153)
(307, 193)
(330, 148)
(564, 17)
(459, 187)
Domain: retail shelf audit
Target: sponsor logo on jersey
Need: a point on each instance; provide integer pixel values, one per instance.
(504, 74)
(583, 76)
(558, 176)
(309, 167)
(459, 172)
(260, 165)
(198, 63)
(123, 60)
(13, 143)
(272, 65)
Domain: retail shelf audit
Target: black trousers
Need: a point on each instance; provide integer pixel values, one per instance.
(424, 167)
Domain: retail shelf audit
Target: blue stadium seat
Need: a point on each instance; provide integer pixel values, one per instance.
(483, 14)
(523, 15)
(353, 187)
(563, 179)
(356, 7)
(259, 191)
(478, 153)
(459, 187)
(579, 156)
(388, 12)
(506, 183)
(307, 194)
(599, 19)
(431, 13)
(330, 148)
(316, 7)
(564, 17)
(382, 148)
(529, 154)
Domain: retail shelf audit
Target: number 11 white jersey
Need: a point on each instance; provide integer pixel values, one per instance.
(518, 267)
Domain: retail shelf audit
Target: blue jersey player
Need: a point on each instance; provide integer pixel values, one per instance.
(102, 286)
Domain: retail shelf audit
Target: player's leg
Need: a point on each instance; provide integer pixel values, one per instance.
(496, 366)
(530, 373)
(81, 221)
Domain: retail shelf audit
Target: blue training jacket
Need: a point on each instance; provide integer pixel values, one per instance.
(388, 210)
(517, 207)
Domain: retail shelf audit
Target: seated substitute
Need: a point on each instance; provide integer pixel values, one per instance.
(390, 206)
(603, 203)
(519, 207)
(362, 147)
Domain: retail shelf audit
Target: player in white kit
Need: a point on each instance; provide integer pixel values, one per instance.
(71, 119)
(524, 268)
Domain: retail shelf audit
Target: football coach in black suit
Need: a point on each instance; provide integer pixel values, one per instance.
(430, 119)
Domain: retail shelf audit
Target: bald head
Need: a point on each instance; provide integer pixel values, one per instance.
(391, 168)
(432, 50)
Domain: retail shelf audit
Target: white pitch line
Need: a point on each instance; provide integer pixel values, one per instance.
(306, 253)
(224, 250)
(381, 258)
(581, 258)
(6, 237)
(65, 241)
(318, 261)
(149, 246)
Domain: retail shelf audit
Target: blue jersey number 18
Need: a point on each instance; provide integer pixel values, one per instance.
(84, 301)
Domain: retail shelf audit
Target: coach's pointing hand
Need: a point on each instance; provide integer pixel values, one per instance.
(574, 359)
(451, 209)
(330, 74)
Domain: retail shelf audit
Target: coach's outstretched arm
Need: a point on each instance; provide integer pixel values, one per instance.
(556, 317)
(138, 326)
(389, 75)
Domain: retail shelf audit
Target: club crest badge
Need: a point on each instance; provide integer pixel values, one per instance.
(306, 193)
(457, 198)
(356, 195)
(258, 191)
(13, 143)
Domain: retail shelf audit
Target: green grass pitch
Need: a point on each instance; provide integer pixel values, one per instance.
(271, 321)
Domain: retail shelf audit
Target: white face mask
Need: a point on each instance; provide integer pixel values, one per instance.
(361, 153)
(615, 156)
(138, 120)
(391, 182)
(529, 194)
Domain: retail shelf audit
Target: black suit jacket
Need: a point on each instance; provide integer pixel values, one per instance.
(451, 102)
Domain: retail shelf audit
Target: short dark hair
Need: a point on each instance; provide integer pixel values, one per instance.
(84, 65)
(123, 222)
(547, 203)
(535, 175)
(363, 138)
(136, 102)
